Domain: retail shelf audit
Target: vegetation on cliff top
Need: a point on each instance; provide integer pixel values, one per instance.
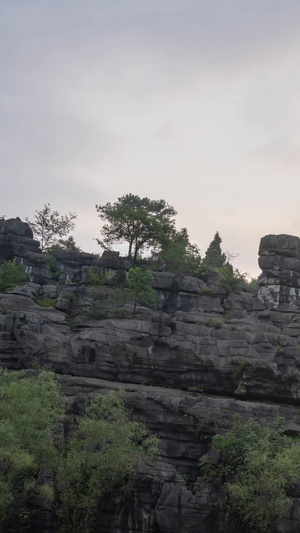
(50, 227)
(140, 222)
(144, 224)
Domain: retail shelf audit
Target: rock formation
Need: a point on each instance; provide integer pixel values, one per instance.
(185, 368)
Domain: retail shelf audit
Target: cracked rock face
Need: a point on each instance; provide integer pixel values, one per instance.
(279, 259)
(184, 369)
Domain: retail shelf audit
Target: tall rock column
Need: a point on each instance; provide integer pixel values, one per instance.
(279, 259)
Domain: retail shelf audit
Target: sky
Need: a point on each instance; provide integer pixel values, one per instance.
(193, 101)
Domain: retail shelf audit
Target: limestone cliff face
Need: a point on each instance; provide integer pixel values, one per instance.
(181, 367)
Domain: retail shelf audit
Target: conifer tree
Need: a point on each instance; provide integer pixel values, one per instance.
(214, 256)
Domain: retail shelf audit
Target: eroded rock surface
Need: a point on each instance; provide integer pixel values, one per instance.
(184, 368)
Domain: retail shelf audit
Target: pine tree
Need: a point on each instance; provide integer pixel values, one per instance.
(214, 256)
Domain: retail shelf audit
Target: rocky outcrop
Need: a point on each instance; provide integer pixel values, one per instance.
(16, 240)
(184, 368)
(279, 259)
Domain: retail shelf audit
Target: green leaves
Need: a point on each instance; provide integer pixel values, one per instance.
(177, 254)
(49, 227)
(29, 412)
(95, 463)
(11, 275)
(214, 256)
(100, 460)
(139, 221)
(140, 287)
(260, 465)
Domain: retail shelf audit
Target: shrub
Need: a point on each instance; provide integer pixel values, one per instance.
(206, 291)
(260, 465)
(213, 323)
(11, 275)
(194, 389)
(100, 460)
(231, 279)
(52, 266)
(98, 278)
(94, 312)
(240, 371)
(29, 412)
(93, 465)
(140, 287)
(46, 302)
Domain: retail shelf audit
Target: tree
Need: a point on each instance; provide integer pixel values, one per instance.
(48, 226)
(29, 412)
(93, 463)
(214, 256)
(140, 287)
(140, 222)
(177, 254)
(99, 461)
(260, 464)
(66, 244)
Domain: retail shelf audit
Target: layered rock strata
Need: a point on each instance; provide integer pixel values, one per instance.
(184, 369)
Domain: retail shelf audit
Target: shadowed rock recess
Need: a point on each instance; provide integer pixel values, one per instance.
(184, 369)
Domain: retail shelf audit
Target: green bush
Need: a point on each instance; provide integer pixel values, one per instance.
(140, 287)
(260, 465)
(11, 275)
(29, 413)
(52, 266)
(99, 461)
(194, 389)
(98, 279)
(91, 466)
(206, 291)
(46, 302)
(231, 279)
(94, 312)
(240, 371)
(213, 323)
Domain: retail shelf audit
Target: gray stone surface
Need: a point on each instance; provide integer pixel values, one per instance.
(177, 367)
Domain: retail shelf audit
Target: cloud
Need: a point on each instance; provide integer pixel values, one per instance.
(194, 102)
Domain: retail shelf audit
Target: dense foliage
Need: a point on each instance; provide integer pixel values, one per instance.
(145, 224)
(11, 275)
(140, 287)
(29, 414)
(177, 254)
(94, 462)
(140, 222)
(214, 255)
(259, 464)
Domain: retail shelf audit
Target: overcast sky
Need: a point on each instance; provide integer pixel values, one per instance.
(196, 102)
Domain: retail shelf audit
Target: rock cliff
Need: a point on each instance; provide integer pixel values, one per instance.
(184, 369)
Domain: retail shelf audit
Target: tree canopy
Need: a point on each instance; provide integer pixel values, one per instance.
(11, 275)
(93, 463)
(140, 287)
(177, 254)
(29, 414)
(99, 461)
(259, 464)
(140, 222)
(214, 256)
(48, 226)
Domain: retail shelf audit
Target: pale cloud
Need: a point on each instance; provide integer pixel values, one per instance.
(194, 102)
